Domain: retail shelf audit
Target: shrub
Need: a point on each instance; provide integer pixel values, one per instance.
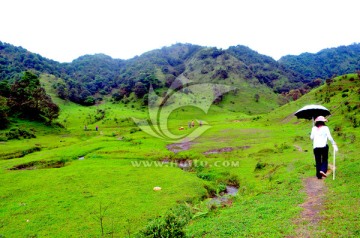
(337, 128)
(17, 133)
(233, 180)
(299, 138)
(3, 137)
(260, 165)
(58, 124)
(210, 189)
(206, 176)
(134, 129)
(221, 187)
(282, 147)
(170, 225)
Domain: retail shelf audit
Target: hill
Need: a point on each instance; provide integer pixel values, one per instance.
(90, 77)
(14, 60)
(258, 78)
(326, 63)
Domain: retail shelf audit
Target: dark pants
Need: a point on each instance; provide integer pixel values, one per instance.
(321, 159)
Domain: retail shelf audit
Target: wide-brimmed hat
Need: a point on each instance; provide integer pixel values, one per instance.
(320, 118)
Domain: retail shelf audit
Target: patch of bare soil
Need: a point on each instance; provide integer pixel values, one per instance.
(287, 118)
(178, 147)
(216, 151)
(313, 205)
(225, 149)
(298, 148)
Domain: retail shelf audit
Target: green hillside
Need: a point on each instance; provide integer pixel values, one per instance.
(326, 63)
(88, 79)
(75, 182)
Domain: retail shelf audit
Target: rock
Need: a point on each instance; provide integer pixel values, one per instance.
(157, 188)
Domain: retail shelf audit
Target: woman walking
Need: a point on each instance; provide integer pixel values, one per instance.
(320, 133)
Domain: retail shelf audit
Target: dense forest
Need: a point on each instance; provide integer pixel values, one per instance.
(325, 64)
(86, 79)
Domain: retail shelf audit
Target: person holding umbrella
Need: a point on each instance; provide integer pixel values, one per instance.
(320, 134)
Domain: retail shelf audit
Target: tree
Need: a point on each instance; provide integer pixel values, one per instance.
(116, 97)
(29, 100)
(74, 95)
(50, 110)
(24, 96)
(4, 88)
(62, 90)
(4, 109)
(139, 89)
(90, 100)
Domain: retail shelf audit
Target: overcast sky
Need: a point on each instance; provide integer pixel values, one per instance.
(63, 30)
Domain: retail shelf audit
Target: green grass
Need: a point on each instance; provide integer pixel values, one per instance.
(65, 202)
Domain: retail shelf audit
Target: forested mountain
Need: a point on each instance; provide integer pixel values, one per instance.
(267, 70)
(326, 63)
(87, 78)
(161, 67)
(14, 60)
(88, 75)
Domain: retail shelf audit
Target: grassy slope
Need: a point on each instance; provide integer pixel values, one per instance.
(272, 211)
(65, 201)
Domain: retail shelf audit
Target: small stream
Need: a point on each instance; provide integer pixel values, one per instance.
(223, 198)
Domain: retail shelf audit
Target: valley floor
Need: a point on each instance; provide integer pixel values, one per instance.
(68, 182)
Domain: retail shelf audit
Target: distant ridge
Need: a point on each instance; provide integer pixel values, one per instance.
(326, 63)
(90, 77)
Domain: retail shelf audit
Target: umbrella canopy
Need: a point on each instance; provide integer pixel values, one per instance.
(312, 112)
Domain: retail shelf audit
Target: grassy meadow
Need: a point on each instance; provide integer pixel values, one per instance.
(72, 182)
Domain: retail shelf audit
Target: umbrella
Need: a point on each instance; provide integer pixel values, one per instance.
(312, 112)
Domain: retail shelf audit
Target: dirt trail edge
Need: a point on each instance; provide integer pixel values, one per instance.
(313, 205)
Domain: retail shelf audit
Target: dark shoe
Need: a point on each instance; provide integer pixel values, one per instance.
(323, 174)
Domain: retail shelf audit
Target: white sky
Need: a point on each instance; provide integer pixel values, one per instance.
(63, 30)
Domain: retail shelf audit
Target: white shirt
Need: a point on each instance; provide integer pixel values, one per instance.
(320, 135)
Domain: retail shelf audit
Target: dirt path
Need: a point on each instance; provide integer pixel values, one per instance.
(313, 205)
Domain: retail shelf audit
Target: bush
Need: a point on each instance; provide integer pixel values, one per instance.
(210, 189)
(282, 147)
(3, 137)
(134, 129)
(170, 225)
(221, 187)
(337, 128)
(58, 124)
(233, 180)
(17, 133)
(260, 165)
(208, 176)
